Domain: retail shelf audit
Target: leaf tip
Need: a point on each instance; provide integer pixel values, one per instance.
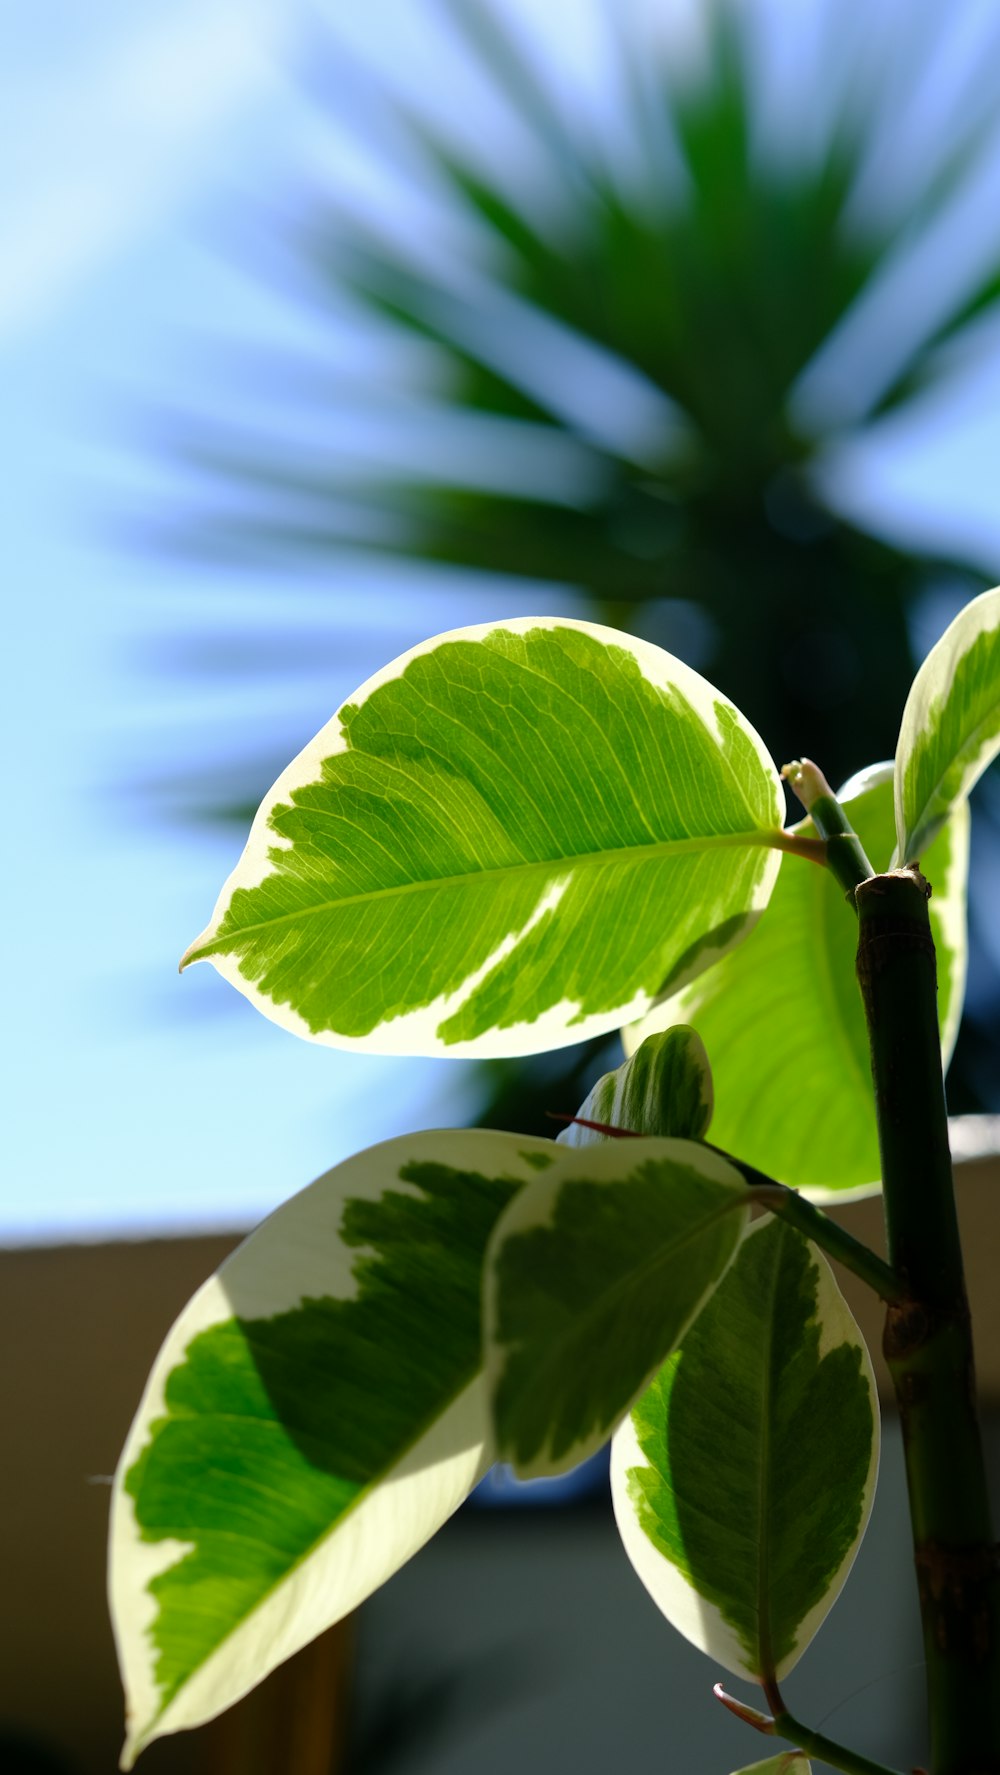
(195, 951)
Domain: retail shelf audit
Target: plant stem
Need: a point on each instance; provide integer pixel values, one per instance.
(809, 1220)
(844, 851)
(827, 1749)
(928, 1341)
(784, 1725)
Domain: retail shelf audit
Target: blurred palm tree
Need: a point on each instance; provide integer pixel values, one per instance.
(634, 358)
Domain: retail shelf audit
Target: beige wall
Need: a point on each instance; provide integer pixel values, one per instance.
(81, 1326)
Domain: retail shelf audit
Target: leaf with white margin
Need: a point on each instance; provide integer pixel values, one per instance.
(787, 1762)
(510, 839)
(743, 1479)
(782, 1016)
(316, 1413)
(593, 1275)
(951, 725)
(665, 1088)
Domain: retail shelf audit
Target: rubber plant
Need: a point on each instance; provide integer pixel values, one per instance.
(515, 836)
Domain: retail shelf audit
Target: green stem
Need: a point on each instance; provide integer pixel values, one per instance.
(844, 851)
(833, 1239)
(817, 1744)
(928, 1342)
(784, 1725)
(809, 1220)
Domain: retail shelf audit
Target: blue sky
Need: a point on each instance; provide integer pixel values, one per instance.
(139, 1100)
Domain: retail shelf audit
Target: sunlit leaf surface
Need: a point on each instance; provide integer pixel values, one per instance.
(511, 838)
(313, 1417)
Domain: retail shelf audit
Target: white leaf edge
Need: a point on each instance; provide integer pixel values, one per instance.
(297, 1254)
(684, 1607)
(787, 1762)
(607, 1164)
(932, 683)
(414, 1032)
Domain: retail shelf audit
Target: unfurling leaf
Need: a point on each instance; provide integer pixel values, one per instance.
(951, 725)
(743, 1479)
(593, 1276)
(782, 1016)
(512, 838)
(664, 1088)
(316, 1413)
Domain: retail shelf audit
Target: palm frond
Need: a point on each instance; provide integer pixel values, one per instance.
(635, 329)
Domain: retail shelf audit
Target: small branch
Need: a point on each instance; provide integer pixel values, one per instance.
(783, 1725)
(827, 1750)
(813, 1224)
(815, 850)
(844, 851)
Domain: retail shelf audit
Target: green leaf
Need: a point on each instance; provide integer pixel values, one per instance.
(951, 725)
(315, 1414)
(782, 1017)
(664, 1088)
(592, 1277)
(743, 1479)
(510, 840)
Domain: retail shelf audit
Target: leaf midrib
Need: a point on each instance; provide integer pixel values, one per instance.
(760, 837)
(763, 1490)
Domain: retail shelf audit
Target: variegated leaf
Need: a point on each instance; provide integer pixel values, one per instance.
(511, 838)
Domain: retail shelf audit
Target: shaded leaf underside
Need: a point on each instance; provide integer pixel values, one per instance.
(762, 1535)
(593, 1282)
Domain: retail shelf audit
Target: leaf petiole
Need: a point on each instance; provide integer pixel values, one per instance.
(816, 1744)
(809, 1220)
